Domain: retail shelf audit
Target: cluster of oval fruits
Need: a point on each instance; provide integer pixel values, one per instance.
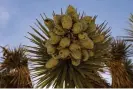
(68, 37)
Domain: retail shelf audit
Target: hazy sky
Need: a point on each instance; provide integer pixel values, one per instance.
(17, 15)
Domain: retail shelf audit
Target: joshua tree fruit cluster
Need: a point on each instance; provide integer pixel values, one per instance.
(69, 37)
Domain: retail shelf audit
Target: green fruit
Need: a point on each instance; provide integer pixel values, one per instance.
(77, 28)
(85, 25)
(58, 30)
(71, 10)
(73, 13)
(87, 19)
(76, 54)
(50, 49)
(64, 53)
(65, 42)
(98, 38)
(87, 43)
(57, 19)
(74, 47)
(51, 63)
(75, 62)
(83, 36)
(47, 43)
(52, 34)
(85, 55)
(91, 53)
(55, 39)
(75, 17)
(49, 23)
(92, 26)
(66, 22)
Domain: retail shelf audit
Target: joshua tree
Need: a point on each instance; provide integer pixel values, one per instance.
(14, 69)
(129, 68)
(69, 51)
(120, 51)
(129, 37)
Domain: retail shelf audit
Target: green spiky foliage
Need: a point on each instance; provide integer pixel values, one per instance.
(129, 30)
(14, 68)
(5, 79)
(69, 50)
(101, 84)
(120, 51)
(129, 68)
(129, 38)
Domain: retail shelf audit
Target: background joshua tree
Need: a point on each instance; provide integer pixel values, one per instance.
(70, 51)
(120, 51)
(129, 68)
(14, 69)
(129, 38)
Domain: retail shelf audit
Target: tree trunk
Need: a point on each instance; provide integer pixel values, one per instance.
(120, 78)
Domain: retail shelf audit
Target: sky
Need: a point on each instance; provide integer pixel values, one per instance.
(17, 15)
